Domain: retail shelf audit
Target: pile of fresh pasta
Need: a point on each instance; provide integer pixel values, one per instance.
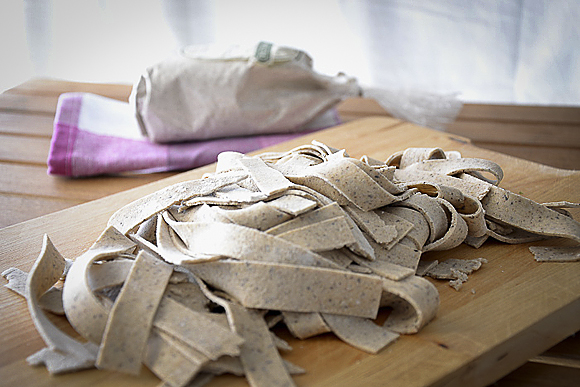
(189, 280)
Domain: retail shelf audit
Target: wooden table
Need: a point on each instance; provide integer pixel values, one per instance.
(546, 135)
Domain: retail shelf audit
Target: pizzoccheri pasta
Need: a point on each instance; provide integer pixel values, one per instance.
(310, 238)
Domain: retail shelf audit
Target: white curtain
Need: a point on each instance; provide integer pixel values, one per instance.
(502, 51)
(525, 51)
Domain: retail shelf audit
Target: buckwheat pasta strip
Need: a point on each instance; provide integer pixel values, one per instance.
(474, 187)
(134, 213)
(294, 288)
(225, 364)
(329, 211)
(359, 332)
(326, 235)
(293, 204)
(254, 356)
(528, 215)
(419, 230)
(321, 185)
(424, 267)
(476, 242)
(174, 366)
(262, 363)
(215, 198)
(561, 206)
(197, 329)
(125, 337)
(415, 302)
(372, 224)
(556, 254)
(172, 249)
(268, 180)
(305, 324)
(233, 365)
(367, 195)
(473, 214)
(511, 235)
(108, 273)
(443, 270)
(63, 353)
(83, 310)
(450, 194)
(415, 155)
(245, 243)
(146, 229)
(203, 213)
(317, 215)
(238, 194)
(432, 211)
(375, 174)
(16, 280)
(158, 321)
(228, 161)
(455, 234)
(50, 301)
(293, 165)
(392, 271)
(452, 167)
(402, 254)
(402, 226)
(260, 215)
(342, 257)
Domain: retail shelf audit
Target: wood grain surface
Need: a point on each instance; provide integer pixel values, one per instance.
(548, 135)
(511, 310)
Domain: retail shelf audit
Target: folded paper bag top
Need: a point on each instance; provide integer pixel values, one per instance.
(200, 95)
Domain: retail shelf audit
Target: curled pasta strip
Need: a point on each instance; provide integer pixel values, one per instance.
(414, 300)
(454, 167)
(518, 211)
(455, 234)
(415, 155)
(433, 212)
(335, 179)
(473, 214)
(450, 194)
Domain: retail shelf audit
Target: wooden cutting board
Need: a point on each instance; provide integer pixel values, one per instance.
(508, 311)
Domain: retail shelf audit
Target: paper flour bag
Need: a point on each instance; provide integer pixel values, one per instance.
(202, 93)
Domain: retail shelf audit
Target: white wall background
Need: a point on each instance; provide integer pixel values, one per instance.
(515, 51)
